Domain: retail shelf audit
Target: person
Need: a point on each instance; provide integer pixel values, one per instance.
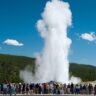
(81, 89)
(61, 89)
(84, 89)
(31, 86)
(90, 88)
(77, 88)
(5, 88)
(72, 88)
(65, 89)
(10, 89)
(45, 86)
(19, 88)
(36, 88)
(95, 90)
(14, 89)
(68, 89)
(54, 89)
(57, 90)
(51, 87)
(1, 88)
(40, 89)
(23, 88)
(27, 88)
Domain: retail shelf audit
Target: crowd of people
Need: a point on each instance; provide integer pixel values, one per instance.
(46, 88)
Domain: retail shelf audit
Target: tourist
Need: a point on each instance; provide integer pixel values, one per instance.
(95, 90)
(77, 89)
(10, 89)
(14, 89)
(31, 86)
(51, 88)
(90, 88)
(19, 88)
(68, 88)
(46, 88)
(72, 88)
(23, 88)
(5, 88)
(27, 89)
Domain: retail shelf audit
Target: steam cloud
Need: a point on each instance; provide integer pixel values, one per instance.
(53, 64)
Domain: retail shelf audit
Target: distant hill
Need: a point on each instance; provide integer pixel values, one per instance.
(10, 66)
(85, 72)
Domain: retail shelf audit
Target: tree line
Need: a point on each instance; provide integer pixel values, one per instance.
(10, 66)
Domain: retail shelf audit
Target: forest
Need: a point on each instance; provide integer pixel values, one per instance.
(10, 66)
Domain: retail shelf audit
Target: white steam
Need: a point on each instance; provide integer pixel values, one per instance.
(53, 64)
(75, 80)
(26, 75)
(53, 28)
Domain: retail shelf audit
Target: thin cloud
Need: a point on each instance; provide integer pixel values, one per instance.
(13, 42)
(89, 36)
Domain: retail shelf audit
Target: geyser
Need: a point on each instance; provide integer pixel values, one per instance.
(53, 64)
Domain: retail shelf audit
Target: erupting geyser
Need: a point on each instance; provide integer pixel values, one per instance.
(53, 64)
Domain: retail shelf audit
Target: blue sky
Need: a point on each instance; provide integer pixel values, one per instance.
(18, 21)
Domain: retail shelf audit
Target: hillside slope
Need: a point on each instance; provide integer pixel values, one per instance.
(11, 65)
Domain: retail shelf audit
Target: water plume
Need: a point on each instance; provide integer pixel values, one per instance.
(53, 64)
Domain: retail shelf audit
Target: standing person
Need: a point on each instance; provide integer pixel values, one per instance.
(58, 88)
(61, 89)
(84, 89)
(95, 90)
(42, 86)
(23, 88)
(19, 88)
(1, 88)
(27, 89)
(90, 88)
(14, 89)
(36, 88)
(39, 89)
(77, 88)
(81, 89)
(5, 88)
(31, 88)
(65, 89)
(51, 87)
(72, 88)
(10, 89)
(68, 89)
(42, 89)
(57, 91)
(46, 87)
(54, 89)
